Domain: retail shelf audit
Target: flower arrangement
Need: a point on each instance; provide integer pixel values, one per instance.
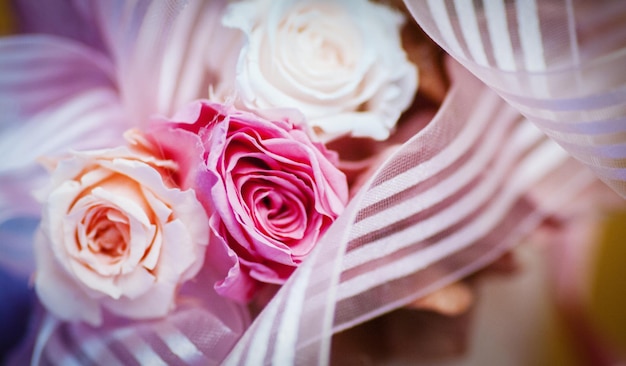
(269, 188)
(235, 182)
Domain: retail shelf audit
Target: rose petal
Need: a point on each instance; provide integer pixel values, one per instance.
(136, 283)
(339, 61)
(265, 185)
(57, 290)
(154, 303)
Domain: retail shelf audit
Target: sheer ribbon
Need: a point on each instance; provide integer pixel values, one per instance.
(559, 62)
(200, 332)
(451, 199)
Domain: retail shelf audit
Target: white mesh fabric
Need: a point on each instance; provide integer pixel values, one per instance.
(559, 62)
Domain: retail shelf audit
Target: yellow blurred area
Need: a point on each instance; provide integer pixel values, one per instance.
(517, 320)
(558, 348)
(608, 288)
(606, 304)
(6, 22)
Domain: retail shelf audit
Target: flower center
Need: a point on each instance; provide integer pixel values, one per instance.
(323, 50)
(326, 42)
(107, 234)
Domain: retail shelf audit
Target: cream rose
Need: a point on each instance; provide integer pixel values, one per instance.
(341, 63)
(115, 234)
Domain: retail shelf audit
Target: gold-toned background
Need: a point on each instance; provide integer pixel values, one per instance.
(6, 23)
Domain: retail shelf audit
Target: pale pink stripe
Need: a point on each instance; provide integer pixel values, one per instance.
(497, 26)
(450, 215)
(179, 344)
(137, 346)
(98, 351)
(530, 34)
(440, 15)
(529, 172)
(486, 104)
(467, 20)
(447, 187)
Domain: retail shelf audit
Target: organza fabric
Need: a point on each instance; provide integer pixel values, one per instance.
(559, 62)
(201, 331)
(461, 192)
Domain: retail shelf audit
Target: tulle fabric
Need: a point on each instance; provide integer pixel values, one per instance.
(200, 332)
(559, 62)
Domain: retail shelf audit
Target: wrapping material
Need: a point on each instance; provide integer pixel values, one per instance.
(559, 62)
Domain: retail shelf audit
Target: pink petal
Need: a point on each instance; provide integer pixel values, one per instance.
(235, 283)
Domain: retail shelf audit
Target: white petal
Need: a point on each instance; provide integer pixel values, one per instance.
(58, 291)
(136, 283)
(158, 301)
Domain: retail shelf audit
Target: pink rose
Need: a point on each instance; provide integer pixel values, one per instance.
(271, 191)
(116, 234)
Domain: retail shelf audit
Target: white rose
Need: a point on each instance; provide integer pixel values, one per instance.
(341, 63)
(116, 235)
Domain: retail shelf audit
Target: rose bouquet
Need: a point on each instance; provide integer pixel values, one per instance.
(237, 182)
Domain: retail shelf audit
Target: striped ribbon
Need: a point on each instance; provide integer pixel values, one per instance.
(559, 62)
(201, 331)
(192, 337)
